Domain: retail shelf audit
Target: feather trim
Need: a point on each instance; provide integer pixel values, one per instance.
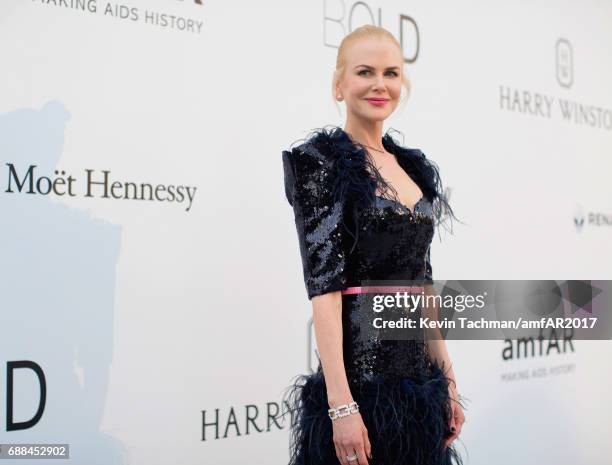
(356, 179)
(407, 420)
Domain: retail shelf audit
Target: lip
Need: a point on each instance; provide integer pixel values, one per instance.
(379, 102)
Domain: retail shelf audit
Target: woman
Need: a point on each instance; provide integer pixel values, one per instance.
(365, 209)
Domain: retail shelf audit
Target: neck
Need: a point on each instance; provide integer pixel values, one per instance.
(367, 133)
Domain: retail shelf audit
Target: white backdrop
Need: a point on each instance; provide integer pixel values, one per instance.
(150, 318)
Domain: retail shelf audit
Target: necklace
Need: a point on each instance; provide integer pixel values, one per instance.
(370, 147)
(365, 145)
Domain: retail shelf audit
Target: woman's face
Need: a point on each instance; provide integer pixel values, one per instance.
(371, 84)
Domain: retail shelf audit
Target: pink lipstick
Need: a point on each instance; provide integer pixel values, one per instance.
(379, 102)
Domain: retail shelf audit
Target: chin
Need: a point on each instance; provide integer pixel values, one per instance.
(377, 116)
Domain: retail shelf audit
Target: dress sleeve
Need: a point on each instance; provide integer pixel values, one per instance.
(318, 219)
(428, 272)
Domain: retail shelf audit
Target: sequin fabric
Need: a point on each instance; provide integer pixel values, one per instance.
(394, 244)
(317, 219)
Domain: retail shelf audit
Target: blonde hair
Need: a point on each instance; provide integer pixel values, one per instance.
(366, 31)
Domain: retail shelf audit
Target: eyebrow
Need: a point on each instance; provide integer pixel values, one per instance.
(370, 67)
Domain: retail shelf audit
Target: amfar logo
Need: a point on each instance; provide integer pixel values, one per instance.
(534, 348)
(582, 219)
(339, 20)
(565, 63)
(541, 346)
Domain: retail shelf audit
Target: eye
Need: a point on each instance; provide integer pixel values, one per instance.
(392, 73)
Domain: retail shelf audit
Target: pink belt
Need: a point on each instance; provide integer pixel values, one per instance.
(381, 289)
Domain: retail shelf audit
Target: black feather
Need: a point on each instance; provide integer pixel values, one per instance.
(407, 420)
(356, 177)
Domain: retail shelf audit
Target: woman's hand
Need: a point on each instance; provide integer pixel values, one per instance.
(351, 437)
(457, 417)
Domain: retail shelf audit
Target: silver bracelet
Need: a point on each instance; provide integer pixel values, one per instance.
(343, 410)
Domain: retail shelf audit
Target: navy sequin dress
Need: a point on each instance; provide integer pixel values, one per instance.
(350, 231)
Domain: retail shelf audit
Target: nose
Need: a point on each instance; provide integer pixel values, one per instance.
(379, 83)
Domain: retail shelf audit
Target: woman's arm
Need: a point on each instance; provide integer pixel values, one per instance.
(436, 344)
(327, 318)
(350, 434)
(309, 187)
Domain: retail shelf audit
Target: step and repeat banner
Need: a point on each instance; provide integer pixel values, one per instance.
(152, 307)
